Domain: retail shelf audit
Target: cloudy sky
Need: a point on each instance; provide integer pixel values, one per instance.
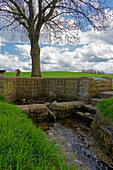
(94, 51)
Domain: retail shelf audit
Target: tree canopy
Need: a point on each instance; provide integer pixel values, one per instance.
(58, 19)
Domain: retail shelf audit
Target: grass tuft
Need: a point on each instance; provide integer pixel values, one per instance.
(105, 108)
(23, 146)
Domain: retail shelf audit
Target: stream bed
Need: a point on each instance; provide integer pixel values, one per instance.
(73, 136)
(71, 133)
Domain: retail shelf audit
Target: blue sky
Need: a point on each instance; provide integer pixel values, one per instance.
(94, 51)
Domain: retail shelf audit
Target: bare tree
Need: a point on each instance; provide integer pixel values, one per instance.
(59, 19)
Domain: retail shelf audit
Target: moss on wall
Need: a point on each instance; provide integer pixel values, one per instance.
(102, 125)
(62, 88)
(105, 108)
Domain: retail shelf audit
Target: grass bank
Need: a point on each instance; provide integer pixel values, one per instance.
(105, 108)
(59, 74)
(23, 146)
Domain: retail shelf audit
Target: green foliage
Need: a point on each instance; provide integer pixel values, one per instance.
(58, 74)
(105, 108)
(2, 99)
(23, 146)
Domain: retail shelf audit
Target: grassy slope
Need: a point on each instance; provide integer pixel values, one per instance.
(23, 146)
(105, 108)
(58, 74)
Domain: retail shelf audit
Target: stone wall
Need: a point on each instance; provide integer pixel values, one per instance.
(64, 89)
(1, 85)
(84, 88)
(102, 131)
(99, 85)
(29, 87)
(8, 87)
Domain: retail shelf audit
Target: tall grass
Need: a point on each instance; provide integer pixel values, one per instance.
(23, 146)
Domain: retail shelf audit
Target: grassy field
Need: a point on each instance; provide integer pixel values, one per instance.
(23, 146)
(58, 74)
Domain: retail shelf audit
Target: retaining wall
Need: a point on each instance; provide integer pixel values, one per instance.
(65, 89)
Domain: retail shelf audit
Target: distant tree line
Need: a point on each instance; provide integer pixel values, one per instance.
(93, 71)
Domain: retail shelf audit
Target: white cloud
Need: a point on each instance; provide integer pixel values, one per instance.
(17, 35)
(1, 43)
(12, 62)
(24, 50)
(91, 56)
(95, 51)
(104, 37)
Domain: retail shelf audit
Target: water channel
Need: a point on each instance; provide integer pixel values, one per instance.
(73, 136)
(74, 132)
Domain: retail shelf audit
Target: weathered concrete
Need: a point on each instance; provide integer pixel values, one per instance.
(94, 101)
(102, 131)
(101, 95)
(90, 108)
(66, 109)
(86, 115)
(105, 95)
(66, 106)
(59, 88)
(38, 112)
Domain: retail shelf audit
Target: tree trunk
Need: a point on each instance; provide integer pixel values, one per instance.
(35, 56)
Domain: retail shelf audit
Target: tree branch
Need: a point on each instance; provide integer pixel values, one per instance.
(8, 25)
(19, 9)
(39, 23)
(51, 11)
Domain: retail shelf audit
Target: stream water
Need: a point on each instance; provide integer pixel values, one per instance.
(73, 135)
(76, 134)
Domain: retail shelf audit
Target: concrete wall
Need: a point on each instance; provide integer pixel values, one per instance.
(99, 85)
(61, 88)
(72, 88)
(8, 87)
(29, 87)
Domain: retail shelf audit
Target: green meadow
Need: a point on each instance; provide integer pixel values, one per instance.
(59, 74)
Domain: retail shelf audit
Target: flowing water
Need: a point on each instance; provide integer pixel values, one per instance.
(77, 137)
(74, 132)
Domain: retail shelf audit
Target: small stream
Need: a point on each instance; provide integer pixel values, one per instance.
(73, 135)
(78, 138)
